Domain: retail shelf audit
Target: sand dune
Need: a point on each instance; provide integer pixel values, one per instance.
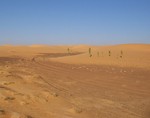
(133, 56)
(41, 81)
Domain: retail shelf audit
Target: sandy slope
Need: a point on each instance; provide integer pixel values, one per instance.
(133, 56)
(46, 82)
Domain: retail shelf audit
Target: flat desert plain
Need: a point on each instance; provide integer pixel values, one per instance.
(77, 81)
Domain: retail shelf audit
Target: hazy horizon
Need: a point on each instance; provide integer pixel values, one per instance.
(64, 22)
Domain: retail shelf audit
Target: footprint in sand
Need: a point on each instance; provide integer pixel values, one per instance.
(7, 83)
(2, 112)
(12, 114)
(8, 114)
(9, 98)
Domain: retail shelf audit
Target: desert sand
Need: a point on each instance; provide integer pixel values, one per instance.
(41, 81)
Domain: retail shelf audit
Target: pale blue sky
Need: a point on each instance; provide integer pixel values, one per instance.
(96, 22)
